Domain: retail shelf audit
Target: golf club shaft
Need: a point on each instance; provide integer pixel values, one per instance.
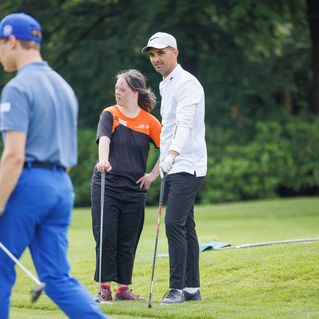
(155, 251)
(161, 199)
(37, 281)
(270, 243)
(101, 225)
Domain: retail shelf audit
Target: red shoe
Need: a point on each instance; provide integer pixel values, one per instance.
(104, 295)
(124, 293)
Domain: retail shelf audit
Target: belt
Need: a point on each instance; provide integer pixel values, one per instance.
(50, 166)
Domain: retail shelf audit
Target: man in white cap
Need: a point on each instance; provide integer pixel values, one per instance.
(183, 160)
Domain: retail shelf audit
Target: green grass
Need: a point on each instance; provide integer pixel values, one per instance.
(279, 281)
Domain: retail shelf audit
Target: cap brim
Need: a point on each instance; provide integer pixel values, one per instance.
(155, 46)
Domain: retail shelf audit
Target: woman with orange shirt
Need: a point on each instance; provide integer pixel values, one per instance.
(124, 134)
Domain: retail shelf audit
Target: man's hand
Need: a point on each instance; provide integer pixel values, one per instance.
(166, 165)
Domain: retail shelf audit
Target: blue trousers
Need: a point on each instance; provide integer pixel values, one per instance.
(37, 216)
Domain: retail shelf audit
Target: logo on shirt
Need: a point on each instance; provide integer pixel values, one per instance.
(122, 122)
(143, 126)
(116, 118)
(5, 107)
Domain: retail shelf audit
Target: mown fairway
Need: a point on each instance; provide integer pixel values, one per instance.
(267, 282)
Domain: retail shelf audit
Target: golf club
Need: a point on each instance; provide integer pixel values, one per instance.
(101, 232)
(160, 207)
(36, 291)
(271, 243)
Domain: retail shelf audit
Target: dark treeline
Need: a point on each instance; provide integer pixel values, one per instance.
(257, 60)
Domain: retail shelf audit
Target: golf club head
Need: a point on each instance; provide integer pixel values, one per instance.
(99, 296)
(36, 292)
(149, 304)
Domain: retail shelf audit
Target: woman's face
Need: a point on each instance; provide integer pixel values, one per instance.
(124, 95)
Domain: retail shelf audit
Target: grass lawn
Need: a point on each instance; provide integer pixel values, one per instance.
(279, 281)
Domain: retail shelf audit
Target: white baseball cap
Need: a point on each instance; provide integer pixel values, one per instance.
(160, 40)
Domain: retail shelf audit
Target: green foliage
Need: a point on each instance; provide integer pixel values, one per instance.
(81, 174)
(251, 56)
(275, 159)
(279, 159)
(302, 141)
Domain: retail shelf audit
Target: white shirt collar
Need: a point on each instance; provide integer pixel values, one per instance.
(171, 76)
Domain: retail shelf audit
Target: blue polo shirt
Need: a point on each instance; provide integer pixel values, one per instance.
(40, 103)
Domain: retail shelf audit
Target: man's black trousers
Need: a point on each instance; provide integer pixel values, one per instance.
(181, 190)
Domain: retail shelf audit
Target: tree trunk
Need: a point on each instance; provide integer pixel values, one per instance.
(313, 21)
(288, 100)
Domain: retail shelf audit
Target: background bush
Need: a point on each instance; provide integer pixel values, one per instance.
(81, 174)
(280, 159)
(275, 159)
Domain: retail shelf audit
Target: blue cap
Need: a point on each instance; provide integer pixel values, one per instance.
(22, 26)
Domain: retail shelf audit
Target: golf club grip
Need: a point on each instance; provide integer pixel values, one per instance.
(102, 188)
(161, 198)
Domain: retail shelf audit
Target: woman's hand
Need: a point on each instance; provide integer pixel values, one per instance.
(103, 166)
(146, 181)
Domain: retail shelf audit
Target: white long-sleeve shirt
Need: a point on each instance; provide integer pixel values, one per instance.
(183, 113)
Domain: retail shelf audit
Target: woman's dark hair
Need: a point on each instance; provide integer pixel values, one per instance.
(136, 81)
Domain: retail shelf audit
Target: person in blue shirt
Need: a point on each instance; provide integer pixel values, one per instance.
(38, 114)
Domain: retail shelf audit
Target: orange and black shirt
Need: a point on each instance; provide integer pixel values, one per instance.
(129, 146)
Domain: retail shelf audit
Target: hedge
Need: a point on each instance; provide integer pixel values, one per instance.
(278, 159)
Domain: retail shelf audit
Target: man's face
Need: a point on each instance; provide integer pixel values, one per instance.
(163, 60)
(6, 57)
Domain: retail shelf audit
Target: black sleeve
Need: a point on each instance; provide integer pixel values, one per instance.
(105, 126)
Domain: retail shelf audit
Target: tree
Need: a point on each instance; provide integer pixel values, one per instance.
(252, 57)
(313, 20)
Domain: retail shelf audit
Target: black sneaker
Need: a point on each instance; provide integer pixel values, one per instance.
(173, 296)
(192, 297)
